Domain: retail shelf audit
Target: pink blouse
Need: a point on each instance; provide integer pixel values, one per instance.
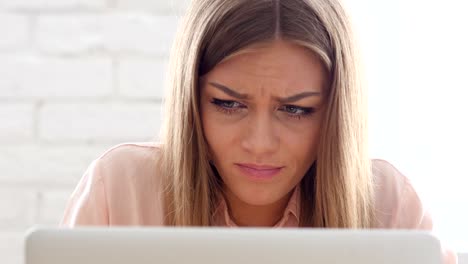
(122, 187)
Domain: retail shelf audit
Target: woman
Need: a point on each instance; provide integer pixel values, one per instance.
(265, 126)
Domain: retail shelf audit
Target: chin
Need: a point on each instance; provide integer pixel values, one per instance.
(259, 197)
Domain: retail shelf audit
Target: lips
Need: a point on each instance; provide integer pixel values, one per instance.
(259, 167)
(259, 172)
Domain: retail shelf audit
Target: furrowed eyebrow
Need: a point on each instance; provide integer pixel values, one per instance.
(241, 96)
(229, 91)
(297, 97)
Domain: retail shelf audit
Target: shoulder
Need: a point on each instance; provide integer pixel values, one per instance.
(388, 179)
(130, 179)
(129, 165)
(397, 202)
(129, 153)
(120, 187)
(129, 158)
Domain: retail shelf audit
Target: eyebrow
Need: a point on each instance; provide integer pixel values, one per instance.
(242, 96)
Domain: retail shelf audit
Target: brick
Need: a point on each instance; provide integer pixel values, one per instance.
(14, 31)
(141, 78)
(99, 122)
(12, 246)
(30, 76)
(171, 6)
(17, 208)
(52, 4)
(118, 33)
(41, 166)
(16, 122)
(52, 205)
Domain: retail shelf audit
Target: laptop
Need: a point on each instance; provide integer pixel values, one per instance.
(127, 245)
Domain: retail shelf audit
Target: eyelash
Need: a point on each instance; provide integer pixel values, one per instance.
(226, 106)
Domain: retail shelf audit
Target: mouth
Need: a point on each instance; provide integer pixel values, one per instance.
(259, 172)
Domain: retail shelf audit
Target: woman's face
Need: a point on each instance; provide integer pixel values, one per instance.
(261, 113)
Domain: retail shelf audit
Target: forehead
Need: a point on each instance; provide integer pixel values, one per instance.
(278, 63)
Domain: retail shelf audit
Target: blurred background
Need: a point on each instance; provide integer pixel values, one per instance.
(79, 76)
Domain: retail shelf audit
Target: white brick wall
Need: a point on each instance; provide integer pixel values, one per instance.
(83, 122)
(19, 128)
(18, 208)
(141, 78)
(46, 165)
(29, 76)
(14, 31)
(168, 6)
(115, 32)
(51, 4)
(11, 247)
(76, 77)
(52, 204)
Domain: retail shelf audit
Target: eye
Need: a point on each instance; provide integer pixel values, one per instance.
(226, 103)
(297, 111)
(227, 106)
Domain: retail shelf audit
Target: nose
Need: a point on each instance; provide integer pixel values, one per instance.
(260, 137)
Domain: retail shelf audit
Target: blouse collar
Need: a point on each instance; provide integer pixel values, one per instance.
(290, 216)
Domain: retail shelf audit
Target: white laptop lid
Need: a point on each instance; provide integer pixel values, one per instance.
(222, 245)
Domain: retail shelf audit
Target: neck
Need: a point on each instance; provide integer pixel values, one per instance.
(244, 214)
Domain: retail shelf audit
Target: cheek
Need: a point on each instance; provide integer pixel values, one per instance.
(302, 143)
(217, 133)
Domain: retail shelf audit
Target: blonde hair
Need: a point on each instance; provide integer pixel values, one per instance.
(337, 191)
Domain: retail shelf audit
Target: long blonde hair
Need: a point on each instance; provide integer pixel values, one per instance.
(338, 191)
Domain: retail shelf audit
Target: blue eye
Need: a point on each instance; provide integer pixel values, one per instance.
(226, 103)
(297, 111)
(230, 107)
(227, 106)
